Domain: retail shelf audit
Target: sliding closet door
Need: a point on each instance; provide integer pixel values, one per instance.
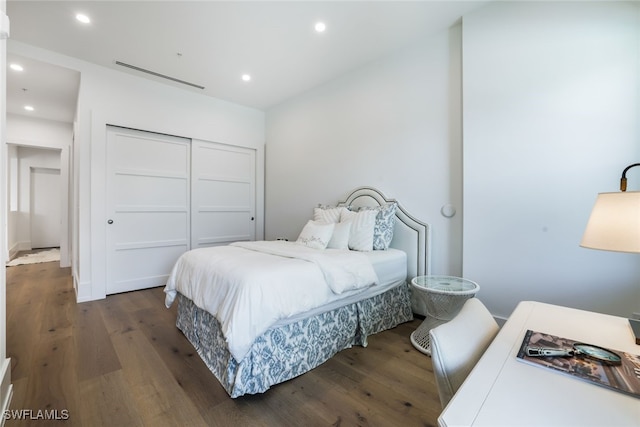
(223, 194)
(147, 203)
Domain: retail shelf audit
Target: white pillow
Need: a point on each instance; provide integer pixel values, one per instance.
(328, 214)
(385, 223)
(362, 225)
(315, 235)
(340, 237)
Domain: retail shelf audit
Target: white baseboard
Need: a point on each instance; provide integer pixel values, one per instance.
(6, 388)
(83, 290)
(13, 250)
(17, 247)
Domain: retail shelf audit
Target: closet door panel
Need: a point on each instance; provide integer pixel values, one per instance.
(222, 228)
(223, 194)
(152, 191)
(147, 202)
(133, 274)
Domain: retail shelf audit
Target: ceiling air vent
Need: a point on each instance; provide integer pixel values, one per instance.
(153, 73)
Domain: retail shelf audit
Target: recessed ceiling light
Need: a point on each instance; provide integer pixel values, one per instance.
(29, 108)
(246, 77)
(16, 67)
(320, 27)
(83, 18)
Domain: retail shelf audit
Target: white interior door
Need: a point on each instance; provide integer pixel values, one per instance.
(147, 207)
(223, 194)
(45, 208)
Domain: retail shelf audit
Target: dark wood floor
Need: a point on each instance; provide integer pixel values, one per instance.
(122, 362)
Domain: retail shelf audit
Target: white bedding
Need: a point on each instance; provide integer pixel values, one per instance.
(390, 265)
(248, 289)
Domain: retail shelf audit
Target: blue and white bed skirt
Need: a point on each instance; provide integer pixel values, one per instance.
(290, 350)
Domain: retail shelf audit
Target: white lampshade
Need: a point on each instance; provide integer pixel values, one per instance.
(614, 224)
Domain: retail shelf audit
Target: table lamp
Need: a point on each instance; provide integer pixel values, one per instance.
(614, 225)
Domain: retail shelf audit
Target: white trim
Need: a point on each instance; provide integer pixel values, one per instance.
(18, 247)
(5, 28)
(13, 251)
(45, 145)
(83, 290)
(6, 388)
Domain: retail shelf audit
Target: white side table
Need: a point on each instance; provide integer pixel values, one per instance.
(442, 298)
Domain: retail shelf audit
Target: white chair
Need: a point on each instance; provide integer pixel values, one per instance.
(457, 345)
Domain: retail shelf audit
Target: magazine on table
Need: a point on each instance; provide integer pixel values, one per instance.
(616, 370)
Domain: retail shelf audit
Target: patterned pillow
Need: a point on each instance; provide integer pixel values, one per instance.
(362, 225)
(385, 223)
(315, 235)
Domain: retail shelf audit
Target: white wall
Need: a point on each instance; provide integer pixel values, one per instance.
(394, 125)
(111, 97)
(28, 131)
(34, 139)
(551, 118)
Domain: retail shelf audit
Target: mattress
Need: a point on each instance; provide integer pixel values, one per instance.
(391, 267)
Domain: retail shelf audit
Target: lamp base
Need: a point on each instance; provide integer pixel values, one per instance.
(635, 327)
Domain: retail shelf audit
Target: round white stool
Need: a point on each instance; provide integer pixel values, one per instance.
(442, 297)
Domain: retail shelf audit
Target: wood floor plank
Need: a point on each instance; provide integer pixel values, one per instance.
(22, 339)
(52, 383)
(238, 412)
(391, 392)
(327, 401)
(157, 395)
(116, 314)
(122, 361)
(59, 317)
(106, 401)
(391, 365)
(292, 404)
(181, 359)
(93, 342)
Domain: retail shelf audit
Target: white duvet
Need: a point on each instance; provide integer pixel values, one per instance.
(249, 286)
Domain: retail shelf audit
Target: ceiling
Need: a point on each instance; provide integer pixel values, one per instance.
(51, 90)
(212, 43)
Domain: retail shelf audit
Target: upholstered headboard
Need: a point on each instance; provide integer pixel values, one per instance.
(410, 235)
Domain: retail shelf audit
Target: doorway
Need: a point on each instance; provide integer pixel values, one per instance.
(45, 208)
(38, 208)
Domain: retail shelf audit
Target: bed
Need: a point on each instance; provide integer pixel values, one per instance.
(284, 308)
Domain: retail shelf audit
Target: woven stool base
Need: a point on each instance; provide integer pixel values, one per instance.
(420, 337)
